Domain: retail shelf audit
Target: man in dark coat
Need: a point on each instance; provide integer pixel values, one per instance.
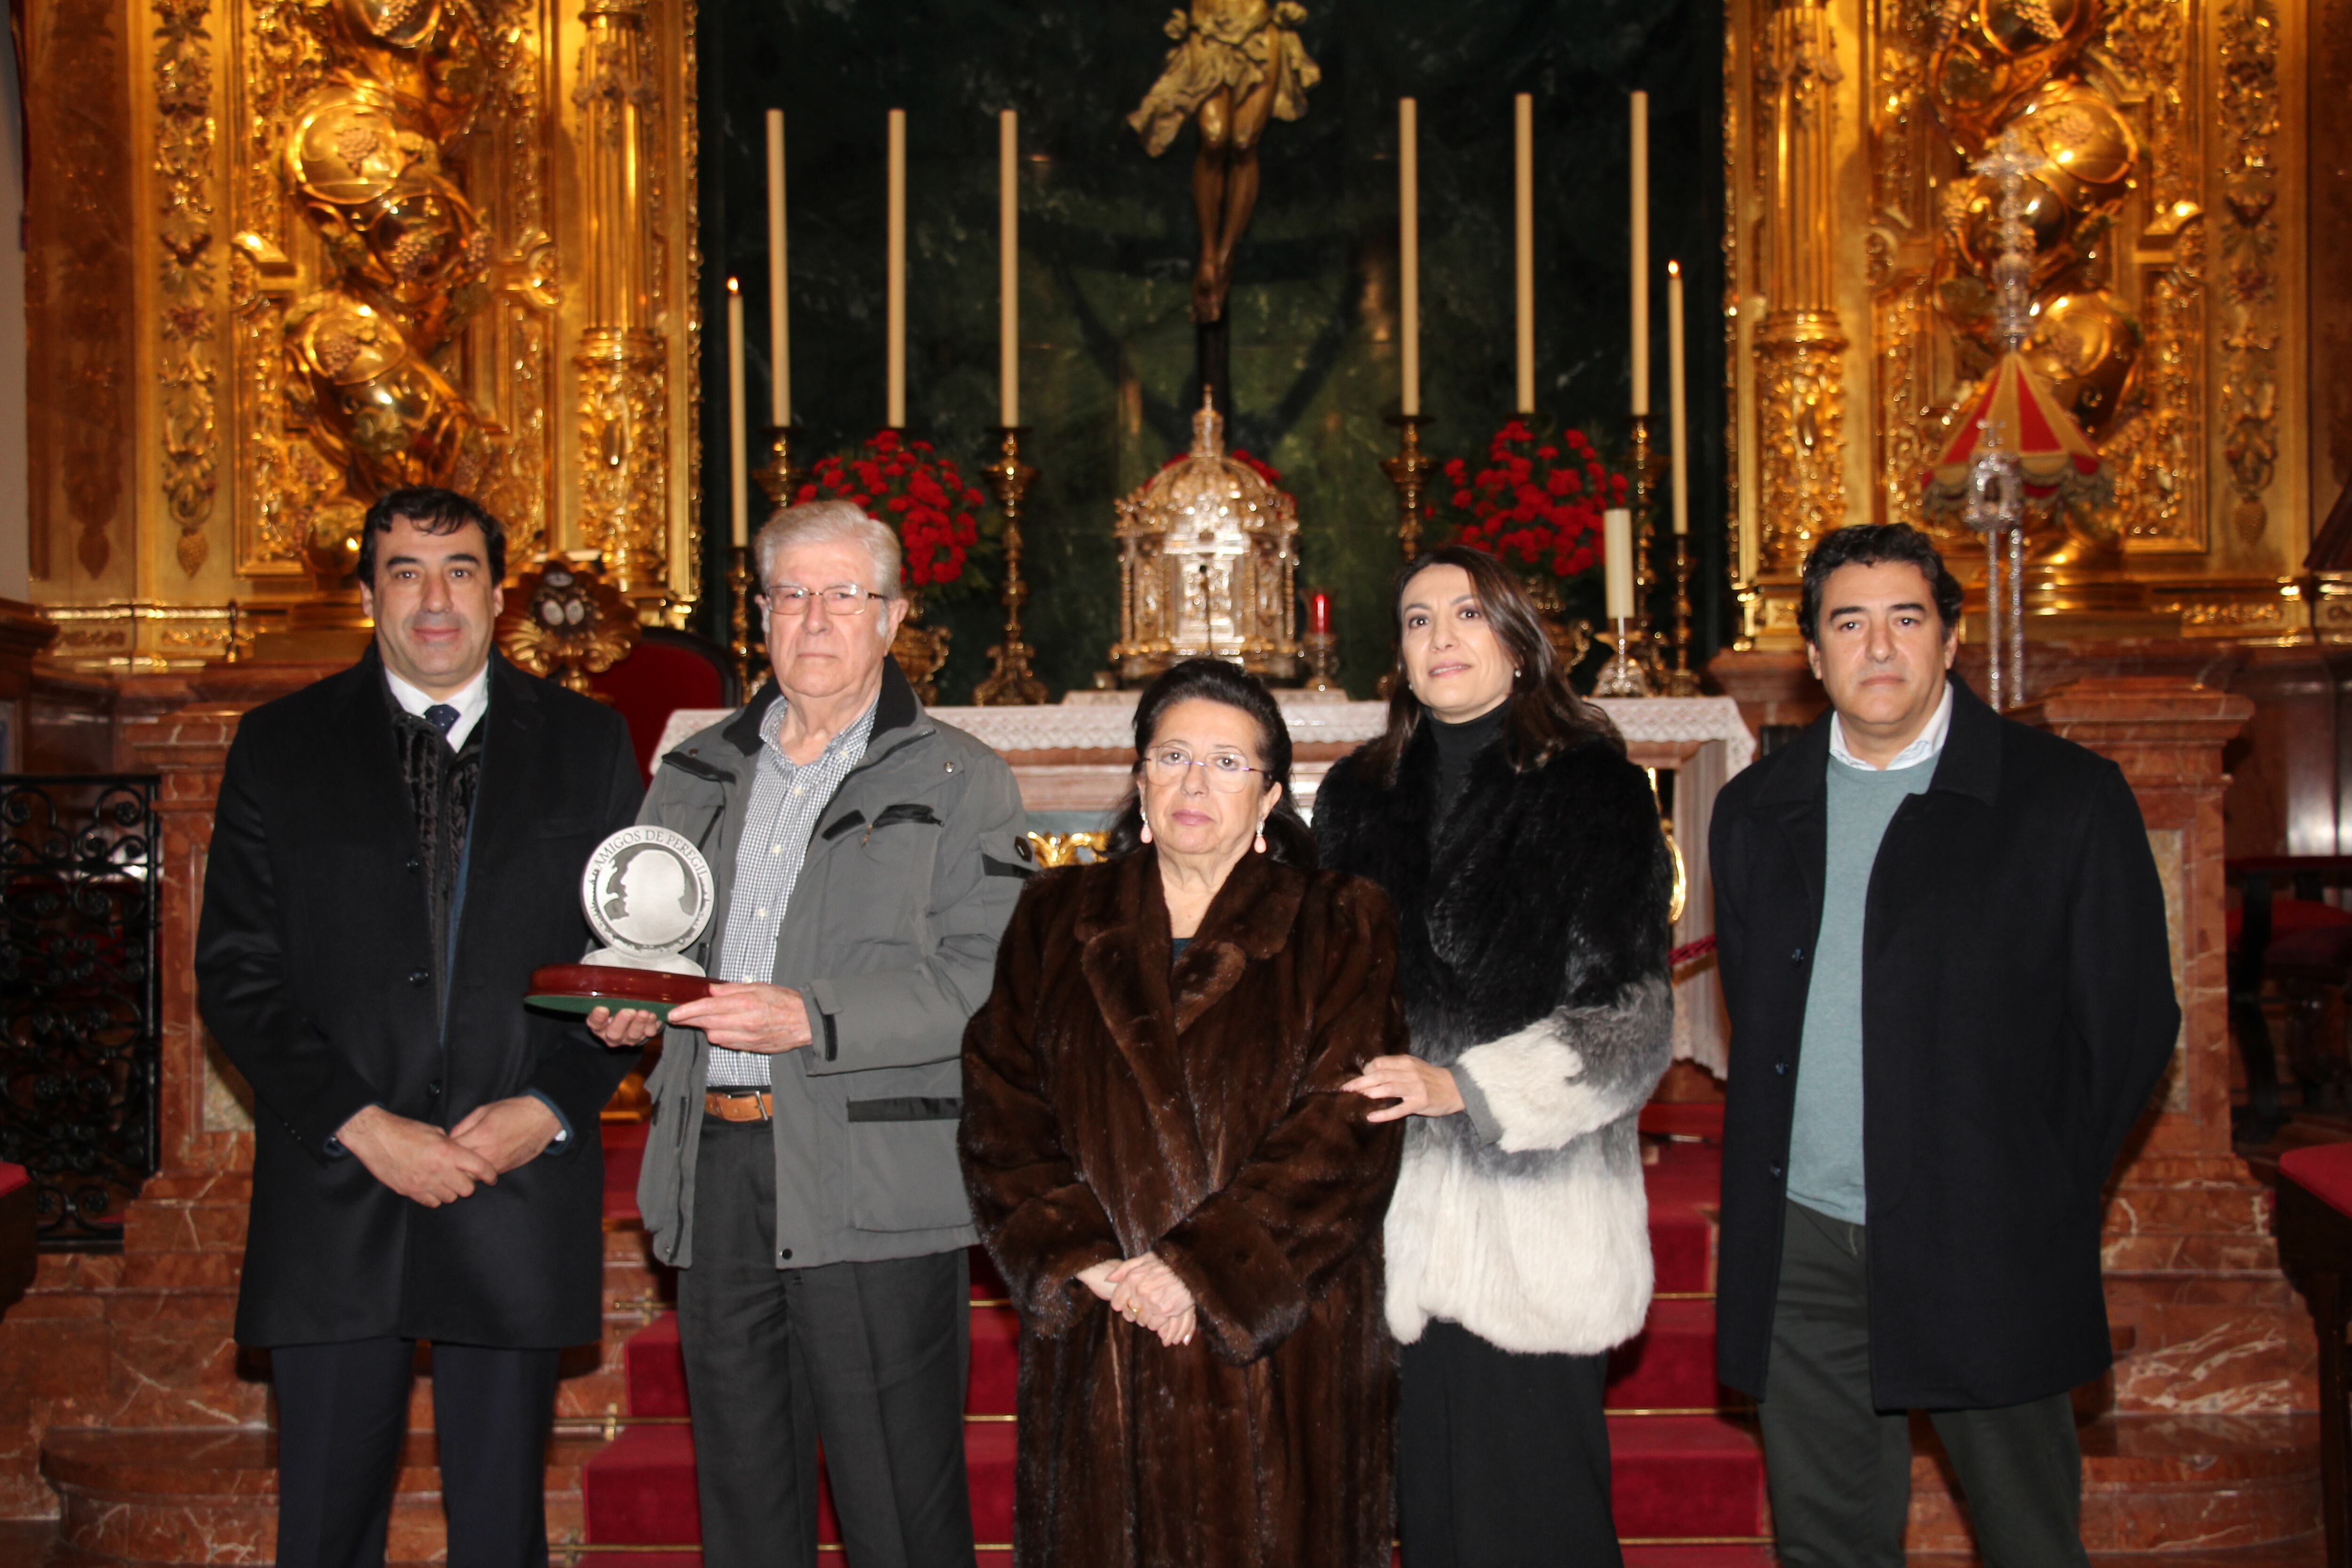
(1943, 947)
(397, 848)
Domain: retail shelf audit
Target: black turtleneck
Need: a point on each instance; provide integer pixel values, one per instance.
(1458, 746)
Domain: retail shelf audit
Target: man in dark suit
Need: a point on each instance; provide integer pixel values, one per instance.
(397, 848)
(1943, 947)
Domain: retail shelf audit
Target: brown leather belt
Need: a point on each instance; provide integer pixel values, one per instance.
(743, 1106)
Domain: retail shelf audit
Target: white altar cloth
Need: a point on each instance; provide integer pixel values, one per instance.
(1702, 740)
(1104, 722)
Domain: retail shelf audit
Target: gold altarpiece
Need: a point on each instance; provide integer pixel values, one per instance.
(357, 242)
(2171, 288)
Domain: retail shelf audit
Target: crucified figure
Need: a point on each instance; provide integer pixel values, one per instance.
(1236, 65)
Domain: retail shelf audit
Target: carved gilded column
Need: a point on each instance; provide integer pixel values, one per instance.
(1799, 344)
(623, 361)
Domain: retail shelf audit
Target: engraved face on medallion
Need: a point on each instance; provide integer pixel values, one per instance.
(648, 891)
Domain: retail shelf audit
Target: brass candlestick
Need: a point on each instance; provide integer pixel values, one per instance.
(1322, 650)
(1622, 675)
(1408, 470)
(740, 585)
(780, 479)
(1684, 680)
(1642, 645)
(1010, 682)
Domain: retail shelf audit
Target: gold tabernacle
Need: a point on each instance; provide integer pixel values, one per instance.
(1207, 556)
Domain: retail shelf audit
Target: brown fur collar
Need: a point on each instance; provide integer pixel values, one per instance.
(1123, 922)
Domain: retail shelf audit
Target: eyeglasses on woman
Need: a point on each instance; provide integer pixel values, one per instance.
(1225, 771)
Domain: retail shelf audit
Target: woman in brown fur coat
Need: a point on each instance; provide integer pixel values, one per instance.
(1186, 1207)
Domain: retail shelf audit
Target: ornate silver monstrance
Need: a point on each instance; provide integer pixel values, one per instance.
(1208, 553)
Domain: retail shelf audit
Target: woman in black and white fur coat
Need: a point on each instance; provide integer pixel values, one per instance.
(1531, 881)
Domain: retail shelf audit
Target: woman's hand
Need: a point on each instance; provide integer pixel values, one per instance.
(1098, 1278)
(629, 1026)
(1418, 1088)
(1148, 1292)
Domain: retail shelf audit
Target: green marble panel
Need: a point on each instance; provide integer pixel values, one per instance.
(1108, 237)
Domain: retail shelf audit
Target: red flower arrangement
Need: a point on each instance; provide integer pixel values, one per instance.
(1538, 502)
(922, 494)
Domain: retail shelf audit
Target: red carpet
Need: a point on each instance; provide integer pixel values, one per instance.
(1689, 1483)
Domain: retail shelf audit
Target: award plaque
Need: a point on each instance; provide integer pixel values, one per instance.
(647, 893)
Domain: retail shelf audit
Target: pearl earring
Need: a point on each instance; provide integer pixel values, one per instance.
(1261, 835)
(1146, 834)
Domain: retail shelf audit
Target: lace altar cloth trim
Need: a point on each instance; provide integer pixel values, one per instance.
(1100, 725)
(1665, 720)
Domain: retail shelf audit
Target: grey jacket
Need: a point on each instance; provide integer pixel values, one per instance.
(891, 935)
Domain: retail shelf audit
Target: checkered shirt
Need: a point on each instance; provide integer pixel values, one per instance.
(787, 798)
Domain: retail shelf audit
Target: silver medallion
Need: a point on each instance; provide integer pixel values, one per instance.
(648, 893)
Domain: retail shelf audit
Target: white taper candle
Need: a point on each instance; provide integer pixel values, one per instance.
(1008, 265)
(1523, 194)
(894, 343)
(1642, 253)
(1409, 251)
(1617, 556)
(779, 329)
(1676, 394)
(738, 496)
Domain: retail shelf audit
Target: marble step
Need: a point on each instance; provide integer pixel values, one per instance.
(1636, 1557)
(1669, 1369)
(2165, 1483)
(640, 1490)
(1684, 1478)
(171, 1497)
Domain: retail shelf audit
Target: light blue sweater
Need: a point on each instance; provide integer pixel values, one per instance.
(1825, 1145)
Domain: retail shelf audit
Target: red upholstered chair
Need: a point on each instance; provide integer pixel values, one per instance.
(665, 671)
(2298, 944)
(2315, 1236)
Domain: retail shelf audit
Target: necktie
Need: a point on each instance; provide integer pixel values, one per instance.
(442, 717)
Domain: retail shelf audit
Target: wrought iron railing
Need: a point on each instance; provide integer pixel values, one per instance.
(80, 1009)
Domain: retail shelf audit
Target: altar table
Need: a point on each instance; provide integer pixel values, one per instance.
(1074, 758)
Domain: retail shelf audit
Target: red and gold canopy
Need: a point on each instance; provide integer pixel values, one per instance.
(2015, 409)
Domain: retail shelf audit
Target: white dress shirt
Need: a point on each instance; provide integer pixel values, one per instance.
(1925, 747)
(471, 700)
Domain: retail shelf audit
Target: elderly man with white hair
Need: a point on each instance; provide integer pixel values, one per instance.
(802, 1169)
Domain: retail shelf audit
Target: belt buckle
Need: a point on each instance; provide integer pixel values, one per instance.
(760, 1111)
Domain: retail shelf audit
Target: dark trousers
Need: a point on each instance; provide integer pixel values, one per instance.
(342, 1411)
(867, 1358)
(1839, 1469)
(1502, 1459)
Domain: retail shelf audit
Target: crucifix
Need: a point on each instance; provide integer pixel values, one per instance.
(1237, 65)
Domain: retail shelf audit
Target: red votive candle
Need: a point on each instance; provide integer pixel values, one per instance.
(1318, 613)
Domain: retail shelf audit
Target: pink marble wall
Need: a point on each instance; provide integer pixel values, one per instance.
(108, 1349)
(2192, 1273)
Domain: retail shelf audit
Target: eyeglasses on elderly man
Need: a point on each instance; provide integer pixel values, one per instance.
(843, 599)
